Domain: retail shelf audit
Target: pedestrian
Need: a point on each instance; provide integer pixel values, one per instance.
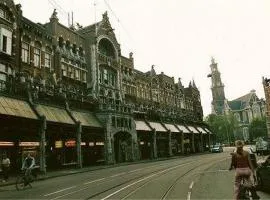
(243, 168)
(5, 167)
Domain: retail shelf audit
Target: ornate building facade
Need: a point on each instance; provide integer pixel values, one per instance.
(266, 87)
(69, 97)
(244, 108)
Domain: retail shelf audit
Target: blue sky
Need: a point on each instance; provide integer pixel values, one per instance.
(180, 36)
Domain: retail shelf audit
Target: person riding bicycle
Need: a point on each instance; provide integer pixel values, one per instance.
(243, 168)
(28, 164)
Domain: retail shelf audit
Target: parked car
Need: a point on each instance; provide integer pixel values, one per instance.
(263, 174)
(217, 148)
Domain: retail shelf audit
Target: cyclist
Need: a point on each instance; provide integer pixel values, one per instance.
(243, 168)
(28, 164)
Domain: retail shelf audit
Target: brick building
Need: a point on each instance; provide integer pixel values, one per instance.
(69, 97)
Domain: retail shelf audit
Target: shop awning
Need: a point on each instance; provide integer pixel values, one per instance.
(15, 107)
(157, 126)
(193, 129)
(183, 128)
(87, 119)
(54, 114)
(201, 130)
(172, 128)
(207, 130)
(142, 126)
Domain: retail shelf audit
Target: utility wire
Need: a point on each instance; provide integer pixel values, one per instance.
(118, 20)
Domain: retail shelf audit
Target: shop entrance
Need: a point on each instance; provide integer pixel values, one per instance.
(122, 147)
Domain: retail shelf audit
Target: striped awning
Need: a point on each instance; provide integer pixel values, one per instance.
(193, 129)
(201, 130)
(172, 128)
(86, 119)
(15, 107)
(142, 126)
(54, 114)
(207, 130)
(157, 126)
(183, 128)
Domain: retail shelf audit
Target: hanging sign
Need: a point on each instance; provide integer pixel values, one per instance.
(70, 143)
(6, 143)
(29, 144)
(91, 144)
(59, 144)
(99, 143)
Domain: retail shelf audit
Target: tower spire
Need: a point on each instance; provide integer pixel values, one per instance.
(217, 88)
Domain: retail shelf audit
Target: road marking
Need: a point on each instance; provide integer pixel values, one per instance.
(190, 189)
(135, 170)
(117, 174)
(94, 181)
(59, 191)
(191, 185)
(140, 180)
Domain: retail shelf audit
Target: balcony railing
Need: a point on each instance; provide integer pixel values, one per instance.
(103, 59)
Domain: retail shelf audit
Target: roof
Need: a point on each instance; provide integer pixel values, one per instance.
(235, 105)
(241, 102)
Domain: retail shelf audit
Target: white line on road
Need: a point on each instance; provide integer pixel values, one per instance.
(136, 170)
(94, 181)
(59, 191)
(191, 185)
(117, 174)
(190, 189)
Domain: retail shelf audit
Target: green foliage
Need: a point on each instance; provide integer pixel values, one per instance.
(224, 126)
(257, 128)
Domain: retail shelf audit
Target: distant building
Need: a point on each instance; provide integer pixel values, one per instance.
(244, 108)
(266, 87)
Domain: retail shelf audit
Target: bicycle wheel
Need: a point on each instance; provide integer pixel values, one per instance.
(20, 183)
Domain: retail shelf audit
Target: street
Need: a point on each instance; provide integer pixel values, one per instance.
(195, 177)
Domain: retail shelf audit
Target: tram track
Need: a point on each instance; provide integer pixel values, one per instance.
(148, 178)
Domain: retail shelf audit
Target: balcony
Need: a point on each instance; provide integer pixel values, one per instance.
(103, 59)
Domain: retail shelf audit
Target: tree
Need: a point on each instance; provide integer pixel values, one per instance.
(257, 128)
(224, 126)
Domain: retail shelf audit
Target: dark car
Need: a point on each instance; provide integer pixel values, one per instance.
(263, 174)
(217, 148)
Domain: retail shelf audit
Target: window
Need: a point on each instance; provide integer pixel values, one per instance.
(105, 76)
(5, 41)
(47, 60)
(25, 52)
(64, 70)
(36, 57)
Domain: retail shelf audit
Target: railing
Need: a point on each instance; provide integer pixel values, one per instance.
(107, 60)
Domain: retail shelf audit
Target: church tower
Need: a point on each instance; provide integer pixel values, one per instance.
(217, 89)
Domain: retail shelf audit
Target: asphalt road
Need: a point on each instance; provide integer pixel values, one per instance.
(194, 177)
